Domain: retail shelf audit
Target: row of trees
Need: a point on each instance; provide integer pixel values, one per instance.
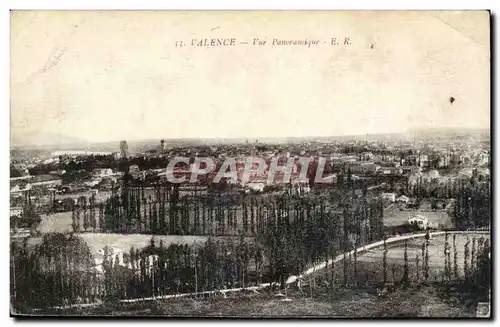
(61, 271)
(473, 206)
(433, 188)
(318, 233)
(158, 270)
(55, 272)
(168, 213)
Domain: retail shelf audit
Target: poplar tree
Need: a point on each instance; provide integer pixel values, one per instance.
(466, 258)
(196, 228)
(446, 257)
(162, 206)
(245, 217)
(252, 216)
(406, 270)
(426, 259)
(345, 247)
(102, 224)
(384, 260)
(455, 259)
(221, 218)
(204, 217)
(93, 222)
(417, 261)
(473, 254)
(86, 218)
(259, 264)
(74, 219)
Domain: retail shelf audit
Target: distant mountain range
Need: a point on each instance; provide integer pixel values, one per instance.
(450, 131)
(56, 141)
(46, 140)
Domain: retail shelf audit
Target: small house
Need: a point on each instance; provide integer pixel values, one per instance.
(419, 221)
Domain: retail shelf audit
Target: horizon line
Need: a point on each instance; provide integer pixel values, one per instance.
(253, 138)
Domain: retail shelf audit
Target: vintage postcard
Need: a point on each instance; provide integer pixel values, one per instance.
(256, 164)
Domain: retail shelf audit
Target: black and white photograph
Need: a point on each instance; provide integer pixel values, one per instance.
(250, 164)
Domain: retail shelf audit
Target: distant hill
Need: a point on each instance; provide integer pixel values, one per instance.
(46, 140)
(57, 141)
(447, 131)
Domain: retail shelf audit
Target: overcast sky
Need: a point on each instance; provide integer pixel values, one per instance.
(105, 76)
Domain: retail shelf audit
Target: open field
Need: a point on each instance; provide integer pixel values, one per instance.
(427, 301)
(97, 241)
(398, 217)
(59, 222)
(62, 221)
(318, 296)
(369, 265)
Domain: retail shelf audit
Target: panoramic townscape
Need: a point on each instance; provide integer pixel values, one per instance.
(239, 164)
(92, 227)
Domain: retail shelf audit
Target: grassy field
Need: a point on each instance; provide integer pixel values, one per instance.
(97, 241)
(369, 265)
(370, 261)
(59, 222)
(428, 301)
(62, 222)
(398, 217)
(433, 299)
(316, 297)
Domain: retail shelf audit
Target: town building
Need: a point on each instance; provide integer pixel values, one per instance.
(77, 153)
(420, 221)
(389, 197)
(16, 211)
(123, 149)
(102, 172)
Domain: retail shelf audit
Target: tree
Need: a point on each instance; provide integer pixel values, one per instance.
(14, 172)
(417, 272)
(59, 261)
(445, 253)
(406, 270)
(426, 257)
(466, 258)
(455, 261)
(384, 261)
